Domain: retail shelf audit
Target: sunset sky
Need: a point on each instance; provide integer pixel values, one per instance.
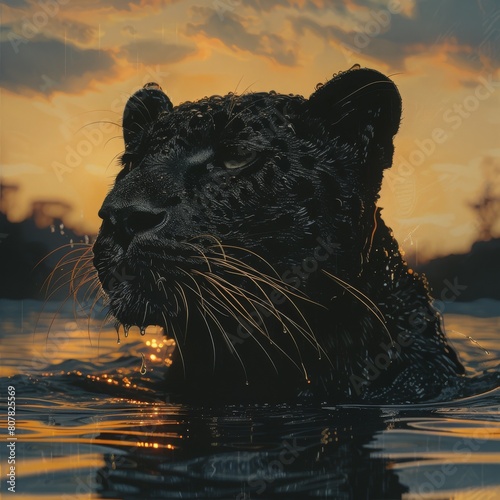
(68, 66)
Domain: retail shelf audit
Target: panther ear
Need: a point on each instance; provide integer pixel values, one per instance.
(364, 108)
(141, 109)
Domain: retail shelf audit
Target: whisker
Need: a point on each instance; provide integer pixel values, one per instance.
(202, 313)
(364, 299)
(195, 283)
(61, 262)
(186, 305)
(232, 349)
(218, 244)
(145, 313)
(167, 325)
(265, 278)
(71, 245)
(51, 286)
(246, 316)
(308, 332)
(201, 253)
(234, 247)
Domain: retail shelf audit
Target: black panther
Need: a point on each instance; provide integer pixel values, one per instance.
(248, 228)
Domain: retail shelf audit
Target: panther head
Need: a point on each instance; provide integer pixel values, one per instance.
(220, 200)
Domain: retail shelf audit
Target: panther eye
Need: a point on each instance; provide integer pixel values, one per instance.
(239, 157)
(232, 164)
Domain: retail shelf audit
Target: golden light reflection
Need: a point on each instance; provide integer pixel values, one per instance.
(407, 460)
(59, 464)
(469, 428)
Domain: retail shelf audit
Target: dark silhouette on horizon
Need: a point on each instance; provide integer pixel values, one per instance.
(477, 273)
(25, 246)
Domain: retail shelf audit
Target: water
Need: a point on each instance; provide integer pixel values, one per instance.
(89, 425)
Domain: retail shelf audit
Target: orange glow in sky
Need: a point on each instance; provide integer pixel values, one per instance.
(67, 69)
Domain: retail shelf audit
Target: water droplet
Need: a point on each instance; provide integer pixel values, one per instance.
(86, 239)
(61, 229)
(52, 228)
(117, 328)
(126, 329)
(143, 330)
(143, 369)
(247, 382)
(71, 243)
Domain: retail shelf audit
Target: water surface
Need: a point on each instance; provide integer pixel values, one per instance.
(92, 422)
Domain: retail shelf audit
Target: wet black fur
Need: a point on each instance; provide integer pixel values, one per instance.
(293, 181)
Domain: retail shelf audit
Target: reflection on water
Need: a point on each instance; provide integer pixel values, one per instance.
(90, 425)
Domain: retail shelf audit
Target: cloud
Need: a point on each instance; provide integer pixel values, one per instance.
(18, 4)
(466, 31)
(155, 52)
(355, 43)
(120, 5)
(138, 4)
(129, 30)
(228, 27)
(53, 27)
(301, 5)
(44, 65)
(72, 30)
(52, 18)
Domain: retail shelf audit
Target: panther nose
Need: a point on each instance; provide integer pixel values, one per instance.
(132, 220)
